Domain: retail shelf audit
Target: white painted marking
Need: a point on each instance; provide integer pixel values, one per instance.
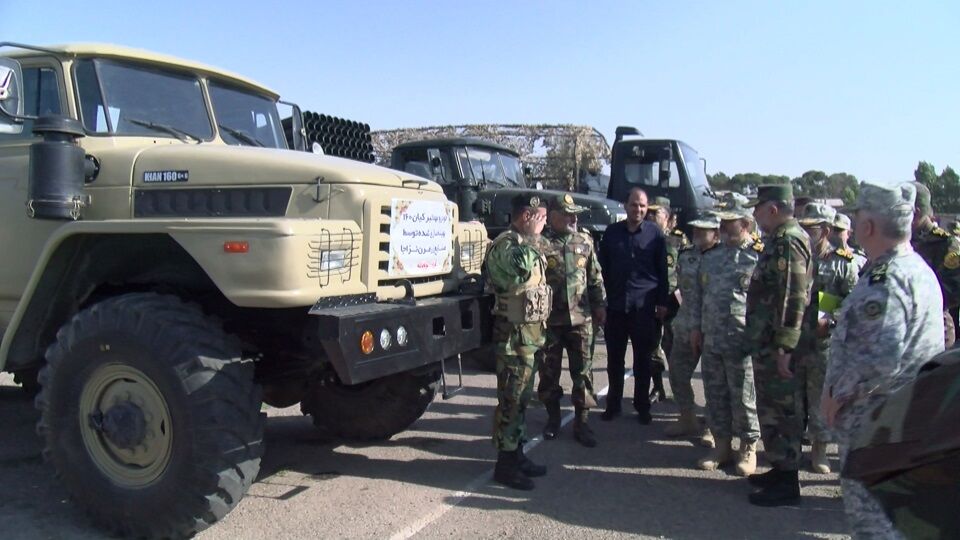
(454, 500)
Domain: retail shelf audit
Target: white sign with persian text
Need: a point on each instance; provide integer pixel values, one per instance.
(421, 238)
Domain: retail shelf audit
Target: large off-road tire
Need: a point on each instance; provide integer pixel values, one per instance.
(150, 416)
(374, 410)
(27, 379)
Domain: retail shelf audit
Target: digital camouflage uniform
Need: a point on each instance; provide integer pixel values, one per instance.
(573, 274)
(777, 298)
(676, 241)
(889, 325)
(941, 251)
(835, 275)
(720, 303)
(516, 272)
(682, 360)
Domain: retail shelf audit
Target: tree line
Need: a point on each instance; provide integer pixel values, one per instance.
(944, 187)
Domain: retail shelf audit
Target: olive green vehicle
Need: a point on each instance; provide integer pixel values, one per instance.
(170, 265)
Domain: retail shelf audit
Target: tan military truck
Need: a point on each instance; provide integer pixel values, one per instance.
(169, 265)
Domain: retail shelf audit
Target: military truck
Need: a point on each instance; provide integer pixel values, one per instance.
(482, 177)
(171, 264)
(662, 167)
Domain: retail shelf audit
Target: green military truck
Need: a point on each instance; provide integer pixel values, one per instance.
(171, 264)
(482, 177)
(663, 168)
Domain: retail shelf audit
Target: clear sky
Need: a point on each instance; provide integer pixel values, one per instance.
(864, 87)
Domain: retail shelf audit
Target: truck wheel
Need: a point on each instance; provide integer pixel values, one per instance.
(150, 416)
(27, 379)
(374, 410)
(483, 358)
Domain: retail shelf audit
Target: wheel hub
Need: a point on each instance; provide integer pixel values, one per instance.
(124, 425)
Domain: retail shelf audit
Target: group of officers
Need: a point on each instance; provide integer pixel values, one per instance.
(797, 330)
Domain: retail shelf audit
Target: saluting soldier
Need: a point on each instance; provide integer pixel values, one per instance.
(579, 301)
(778, 295)
(515, 270)
(834, 277)
(941, 250)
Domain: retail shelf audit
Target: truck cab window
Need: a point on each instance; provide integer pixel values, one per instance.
(648, 173)
(41, 97)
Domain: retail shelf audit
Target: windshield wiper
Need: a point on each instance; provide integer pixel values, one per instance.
(237, 134)
(176, 132)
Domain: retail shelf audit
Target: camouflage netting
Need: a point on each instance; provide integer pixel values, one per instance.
(556, 154)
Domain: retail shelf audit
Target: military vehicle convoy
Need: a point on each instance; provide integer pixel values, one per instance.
(482, 177)
(171, 264)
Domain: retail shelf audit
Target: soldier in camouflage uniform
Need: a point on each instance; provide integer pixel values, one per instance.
(834, 278)
(683, 358)
(661, 213)
(720, 303)
(573, 274)
(778, 295)
(516, 272)
(841, 239)
(941, 250)
(888, 327)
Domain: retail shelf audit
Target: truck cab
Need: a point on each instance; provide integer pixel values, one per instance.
(482, 177)
(663, 168)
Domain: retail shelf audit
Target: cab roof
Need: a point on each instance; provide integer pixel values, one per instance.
(457, 141)
(103, 50)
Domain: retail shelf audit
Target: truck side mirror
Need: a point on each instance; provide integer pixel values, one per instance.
(11, 96)
(435, 162)
(666, 158)
(527, 171)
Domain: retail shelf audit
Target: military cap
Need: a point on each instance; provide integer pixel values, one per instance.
(564, 203)
(893, 202)
(526, 200)
(658, 203)
(923, 202)
(706, 222)
(818, 213)
(842, 222)
(771, 192)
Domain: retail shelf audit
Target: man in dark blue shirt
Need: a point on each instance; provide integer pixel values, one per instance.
(633, 258)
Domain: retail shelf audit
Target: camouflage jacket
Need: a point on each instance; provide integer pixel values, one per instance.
(941, 250)
(889, 325)
(780, 289)
(835, 275)
(676, 242)
(720, 294)
(688, 272)
(574, 275)
(512, 261)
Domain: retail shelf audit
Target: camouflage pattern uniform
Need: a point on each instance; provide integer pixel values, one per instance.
(888, 327)
(719, 303)
(941, 251)
(777, 298)
(682, 360)
(835, 275)
(676, 241)
(516, 271)
(573, 274)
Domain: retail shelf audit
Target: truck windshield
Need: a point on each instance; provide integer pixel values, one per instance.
(130, 99)
(246, 118)
(485, 165)
(691, 160)
(513, 170)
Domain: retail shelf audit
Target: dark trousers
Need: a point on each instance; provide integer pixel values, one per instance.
(640, 327)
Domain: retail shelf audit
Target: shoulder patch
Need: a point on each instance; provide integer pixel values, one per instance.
(937, 231)
(845, 253)
(758, 246)
(878, 274)
(676, 232)
(670, 260)
(873, 309)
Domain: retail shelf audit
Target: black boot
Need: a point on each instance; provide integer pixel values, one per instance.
(785, 492)
(528, 467)
(507, 472)
(581, 431)
(552, 429)
(763, 480)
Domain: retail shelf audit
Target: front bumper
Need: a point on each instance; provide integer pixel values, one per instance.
(437, 328)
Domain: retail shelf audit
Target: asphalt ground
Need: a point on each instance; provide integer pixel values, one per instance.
(433, 481)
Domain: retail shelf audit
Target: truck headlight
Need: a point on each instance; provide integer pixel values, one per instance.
(333, 260)
(385, 339)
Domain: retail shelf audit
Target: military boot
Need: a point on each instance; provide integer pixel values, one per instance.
(552, 429)
(706, 439)
(581, 431)
(785, 491)
(527, 466)
(747, 458)
(686, 425)
(721, 455)
(507, 472)
(765, 479)
(818, 457)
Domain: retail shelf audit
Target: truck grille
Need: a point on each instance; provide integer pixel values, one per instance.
(476, 240)
(327, 250)
(383, 253)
